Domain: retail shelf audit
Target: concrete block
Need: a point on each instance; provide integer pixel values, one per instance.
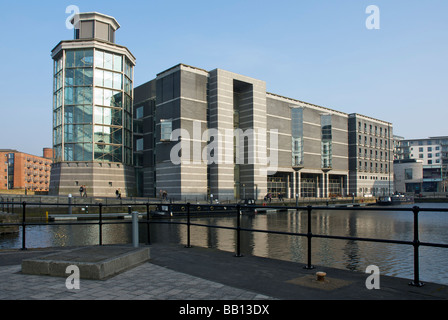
(96, 263)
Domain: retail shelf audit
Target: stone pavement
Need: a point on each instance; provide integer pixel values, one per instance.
(144, 282)
(177, 273)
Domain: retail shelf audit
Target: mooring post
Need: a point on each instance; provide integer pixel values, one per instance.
(135, 235)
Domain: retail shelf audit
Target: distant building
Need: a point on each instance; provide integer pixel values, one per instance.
(408, 176)
(25, 171)
(432, 152)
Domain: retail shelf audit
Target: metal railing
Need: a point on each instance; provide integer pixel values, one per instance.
(236, 210)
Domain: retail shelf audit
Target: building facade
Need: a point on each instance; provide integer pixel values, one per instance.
(198, 134)
(370, 156)
(220, 135)
(432, 152)
(22, 171)
(92, 110)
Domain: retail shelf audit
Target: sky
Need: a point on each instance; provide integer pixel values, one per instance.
(317, 51)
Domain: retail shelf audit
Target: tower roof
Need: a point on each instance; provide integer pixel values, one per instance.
(86, 16)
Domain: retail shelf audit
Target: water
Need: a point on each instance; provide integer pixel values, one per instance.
(392, 259)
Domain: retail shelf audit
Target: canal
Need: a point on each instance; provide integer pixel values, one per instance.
(392, 259)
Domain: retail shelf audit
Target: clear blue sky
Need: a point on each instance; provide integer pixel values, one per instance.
(316, 51)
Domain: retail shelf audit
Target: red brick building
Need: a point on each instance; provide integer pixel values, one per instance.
(24, 171)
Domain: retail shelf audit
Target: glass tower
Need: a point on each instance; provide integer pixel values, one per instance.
(92, 110)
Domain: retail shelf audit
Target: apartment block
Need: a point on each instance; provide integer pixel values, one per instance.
(370, 156)
(25, 171)
(432, 154)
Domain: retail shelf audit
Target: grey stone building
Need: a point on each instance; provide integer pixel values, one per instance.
(220, 135)
(371, 156)
(199, 134)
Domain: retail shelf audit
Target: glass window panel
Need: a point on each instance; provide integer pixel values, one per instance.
(69, 95)
(79, 58)
(116, 117)
(68, 115)
(99, 77)
(70, 59)
(118, 63)
(99, 96)
(68, 133)
(79, 77)
(68, 152)
(88, 76)
(59, 98)
(117, 155)
(107, 97)
(78, 114)
(108, 76)
(88, 58)
(88, 95)
(99, 59)
(98, 115)
(139, 113)
(117, 99)
(108, 61)
(69, 77)
(107, 116)
(165, 130)
(139, 145)
(117, 81)
(117, 136)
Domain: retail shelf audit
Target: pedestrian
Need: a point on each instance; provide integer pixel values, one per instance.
(116, 193)
(81, 190)
(165, 195)
(119, 193)
(85, 191)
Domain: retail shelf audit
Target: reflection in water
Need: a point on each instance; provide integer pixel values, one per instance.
(392, 259)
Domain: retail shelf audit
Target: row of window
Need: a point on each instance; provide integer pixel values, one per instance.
(372, 129)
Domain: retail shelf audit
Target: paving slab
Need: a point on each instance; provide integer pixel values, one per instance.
(97, 262)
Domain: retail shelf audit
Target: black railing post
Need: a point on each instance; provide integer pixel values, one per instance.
(188, 226)
(416, 244)
(100, 224)
(309, 235)
(148, 241)
(23, 225)
(238, 231)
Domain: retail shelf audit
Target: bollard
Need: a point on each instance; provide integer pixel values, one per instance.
(70, 204)
(134, 228)
(321, 276)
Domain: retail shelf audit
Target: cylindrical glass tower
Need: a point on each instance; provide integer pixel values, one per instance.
(92, 110)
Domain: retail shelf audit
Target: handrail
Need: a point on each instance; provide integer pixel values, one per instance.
(238, 208)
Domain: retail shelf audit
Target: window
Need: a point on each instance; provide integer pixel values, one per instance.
(139, 113)
(166, 127)
(139, 144)
(408, 174)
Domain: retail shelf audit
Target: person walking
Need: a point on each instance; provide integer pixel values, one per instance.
(81, 190)
(85, 191)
